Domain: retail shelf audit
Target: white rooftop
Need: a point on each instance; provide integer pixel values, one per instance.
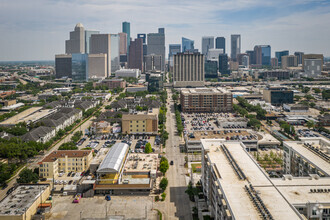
(114, 159)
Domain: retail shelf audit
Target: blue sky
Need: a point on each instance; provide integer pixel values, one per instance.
(37, 29)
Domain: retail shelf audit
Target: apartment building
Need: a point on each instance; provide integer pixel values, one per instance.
(111, 83)
(65, 161)
(309, 156)
(206, 100)
(144, 123)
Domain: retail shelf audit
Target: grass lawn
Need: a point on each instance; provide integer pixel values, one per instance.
(193, 167)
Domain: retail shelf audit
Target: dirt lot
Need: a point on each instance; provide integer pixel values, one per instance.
(130, 207)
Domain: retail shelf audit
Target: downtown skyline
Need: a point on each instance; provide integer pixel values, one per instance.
(36, 31)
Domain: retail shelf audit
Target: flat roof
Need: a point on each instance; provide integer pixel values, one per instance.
(205, 91)
(21, 199)
(31, 114)
(309, 155)
(141, 163)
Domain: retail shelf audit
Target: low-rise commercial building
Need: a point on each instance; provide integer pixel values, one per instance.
(206, 100)
(278, 96)
(143, 123)
(295, 108)
(111, 83)
(128, 73)
(64, 161)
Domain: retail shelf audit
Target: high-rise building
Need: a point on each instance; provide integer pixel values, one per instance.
(152, 62)
(280, 54)
(122, 43)
(240, 58)
(246, 61)
(313, 56)
(262, 55)
(278, 95)
(76, 44)
(211, 69)
(143, 37)
(312, 67)
(274, 62)
(220, 43)
(187, 45)
(97, 66)
(79, 67)
(156, 45)
(127, 29)
(213, 54)
(289, 61)
(223, 64)
(188, 70)
(299, 56)
(173, 49)
(114, 49)
(235, 46)
(135, 55)
(207, 43)
(88, 35)
(101, 43)
(63, 66)
(250, 53)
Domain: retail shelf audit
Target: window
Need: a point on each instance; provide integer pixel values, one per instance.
(131, 130)
(137, 126)
(131, 125)
(143, 130)
(143, 125)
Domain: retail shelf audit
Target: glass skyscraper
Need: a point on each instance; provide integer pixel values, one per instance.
(207, 43)
(127, 30)
(280, 54)
(266, 55)
(211, 69)
(173, 49)
(223, 64)
(88, 35)
(143, 37)
(220, 43)
(79, 67)
(235, 46)
(187, 45)
(114, 51)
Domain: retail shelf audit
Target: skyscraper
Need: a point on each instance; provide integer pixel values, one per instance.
(135, 55)
(299, 55)
(152, 62)
(88, 35)
(279, 54)
(97, 66)
(250, 53)
(187, 45)
(122, 43)
(76, 44)
(173, 49)
(235, 46)
(223, 64)
(79, 67)
(262, 55)
(220, 43)
(63, 66)
(211, 69)
(114, 51)
(156, 45)
(100, 43)
(144, 38)
(188, 70)
(127, 30)
(207, 43)
(289, 61)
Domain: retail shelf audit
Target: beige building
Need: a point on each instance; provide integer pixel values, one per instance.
(23, 202)
(312, 56)
(101, 43)
(289, 61)
(64, 161)
(97, 65)
(206, 100)
(140, 123)
(122, 43)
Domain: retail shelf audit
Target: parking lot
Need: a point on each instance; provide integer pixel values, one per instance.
(307, 133)
(224, 134)
(129, 207)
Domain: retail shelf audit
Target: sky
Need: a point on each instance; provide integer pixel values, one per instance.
(37, 29)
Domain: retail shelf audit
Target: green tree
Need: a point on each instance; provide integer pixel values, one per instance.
(163, 183)
(163, 167)
(148, 148)
(27, 176)
(310, 124)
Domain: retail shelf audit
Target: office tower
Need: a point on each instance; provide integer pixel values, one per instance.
(63, 66)
(240, 58)
(122, 43)
(312, 56)
(246, 61)
(274, 62)
(152, 62)
(250, 53)
(280, 54)
(127, 30)
(155, 82)
(97, 66)
(135, 55)
(79, 67)
(278, 95)
(100, 43)
(211, 69)
(207, 43)
(188, 70)
(213, 54)
(262, 55)
(233, 65)
(173, 49)
(143, 37)
(289, 61)
(156, 45)
(299, 56)
(220, 43)
(187, 45)
(76, 44)
(312, 67)
(223, 64)
(114, 51)
(235, 46)
(88, 35)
